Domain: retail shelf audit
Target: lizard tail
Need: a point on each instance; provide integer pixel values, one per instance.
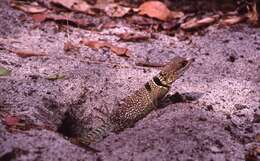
(96, 134)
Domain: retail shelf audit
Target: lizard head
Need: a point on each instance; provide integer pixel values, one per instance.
(173, 70)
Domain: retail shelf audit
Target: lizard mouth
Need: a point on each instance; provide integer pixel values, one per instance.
(185, 65)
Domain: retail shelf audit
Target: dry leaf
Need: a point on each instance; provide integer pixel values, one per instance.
(4, 71)
(107, 25)
(231, 20)
(197, 23)
(101, 44)
(11, 120)
(39, 17)
(257, 138)
(76, 5)
(68, 46)
(176, 14)
(82, 7)
(29, 8)
(119, 51)
(67, 19)
(56, 77)
(253, 14)
(115, 10)
(27, 53)
(158, 10)
(134, 37)
(93, 44)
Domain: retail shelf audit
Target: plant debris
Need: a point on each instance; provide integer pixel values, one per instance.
(4, 71)
(115, 10)
(120, 51)
(27, 53)
(56, 77)
(135, 37)
(28, 7)
(158, 10)
(198, 23)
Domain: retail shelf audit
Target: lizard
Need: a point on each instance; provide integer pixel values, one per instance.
(139, 104)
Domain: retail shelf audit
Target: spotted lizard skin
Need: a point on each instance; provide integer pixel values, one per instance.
(137, 105)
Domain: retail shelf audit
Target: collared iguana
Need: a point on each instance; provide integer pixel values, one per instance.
(137, 105)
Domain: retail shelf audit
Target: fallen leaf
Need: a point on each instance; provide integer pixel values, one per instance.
(119, 51)
(115, 10)
(195, 23)
(253, 14)
(56, 77)
(94, 44)
(68, 46)
(253, 153)
(103, 44)
(11, 120)
(257, 137)
(158, 10)
(75, 5)
(82, 6)
(29, 8)
(4, 71)
(39, 17)
(176, 14)
(135, 37)
(27, 53)
(231, 20)
(143, 21)
(68, 19)
(107, 25)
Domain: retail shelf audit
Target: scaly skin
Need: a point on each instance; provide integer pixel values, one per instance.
(140, 103)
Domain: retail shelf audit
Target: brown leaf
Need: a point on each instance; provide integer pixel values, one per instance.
(93, 44)
(27, 53)
(68, 19)
(197, 23)
(134, 37)
(11, 120)
(158, 10)
(68, 46)
(176, 14)
(39, 17)
(231, 20)
(257, 138)
(107, 25)
(253, 14)
(120, 51)
(75, 5)
(101, 44)
(115, 10)
(29, 8)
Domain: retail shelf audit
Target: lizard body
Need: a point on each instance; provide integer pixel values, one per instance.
(136, 106)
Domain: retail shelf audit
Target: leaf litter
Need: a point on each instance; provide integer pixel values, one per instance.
(169, 20)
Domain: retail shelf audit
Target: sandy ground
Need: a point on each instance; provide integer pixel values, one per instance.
(220, 123)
